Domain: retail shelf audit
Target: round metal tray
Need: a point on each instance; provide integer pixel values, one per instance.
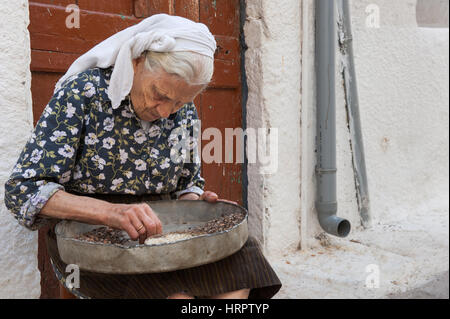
(175, 215)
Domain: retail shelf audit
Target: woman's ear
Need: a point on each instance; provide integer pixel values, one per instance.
(136, 62)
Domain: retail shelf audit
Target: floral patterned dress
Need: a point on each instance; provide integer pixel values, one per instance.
(81, 144)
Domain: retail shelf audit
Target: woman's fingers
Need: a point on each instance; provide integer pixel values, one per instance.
(155, 220)
(209, 196)
(138, 220)
(147, 219)
(129, 223)
(131, 231)
(227, 201)
(138, 224)
(213, 197)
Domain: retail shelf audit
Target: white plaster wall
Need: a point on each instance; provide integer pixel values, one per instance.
(273, 68)
(402, 73)
(19, 275)
(346, 195)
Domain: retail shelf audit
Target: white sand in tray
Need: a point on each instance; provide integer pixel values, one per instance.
(168, 238)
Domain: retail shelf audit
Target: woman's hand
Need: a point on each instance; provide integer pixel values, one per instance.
(207, 196)
(138, 220)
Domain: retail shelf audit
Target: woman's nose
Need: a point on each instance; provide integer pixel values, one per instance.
(164, 111)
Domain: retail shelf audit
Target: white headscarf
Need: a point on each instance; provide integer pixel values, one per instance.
(160, 33)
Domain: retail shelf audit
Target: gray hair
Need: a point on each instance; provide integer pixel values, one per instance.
(194, 68)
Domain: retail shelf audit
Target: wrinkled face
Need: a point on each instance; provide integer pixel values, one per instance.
(158, 94)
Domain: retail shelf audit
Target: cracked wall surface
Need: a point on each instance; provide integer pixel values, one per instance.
(272, 32)
(402, 75)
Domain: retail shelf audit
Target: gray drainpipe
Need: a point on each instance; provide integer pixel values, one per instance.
(326, 202)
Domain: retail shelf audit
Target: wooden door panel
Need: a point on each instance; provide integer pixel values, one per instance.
(44, 82)
(121, 7)
(146, 8)
(53, 2)
(221, 109)
(94, 28)
(221, 17)
(51, 61)
(54, 47)
(227, 73)
(188, 9)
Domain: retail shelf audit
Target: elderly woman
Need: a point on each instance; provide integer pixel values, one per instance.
(105, 139)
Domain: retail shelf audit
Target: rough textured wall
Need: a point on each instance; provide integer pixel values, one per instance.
(19, 275)
(402, 75)
(403, 83)
(273, 69)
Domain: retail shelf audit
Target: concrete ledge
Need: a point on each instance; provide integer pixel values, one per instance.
(410, 254)
(435, 289)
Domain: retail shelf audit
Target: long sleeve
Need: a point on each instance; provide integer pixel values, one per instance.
(191, 180)
(47, 160)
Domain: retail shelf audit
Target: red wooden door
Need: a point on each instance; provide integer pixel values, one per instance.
(54, 47)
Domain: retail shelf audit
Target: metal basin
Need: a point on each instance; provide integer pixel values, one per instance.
(175, 215)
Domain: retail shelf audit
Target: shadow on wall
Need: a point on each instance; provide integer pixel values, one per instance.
(432, 13)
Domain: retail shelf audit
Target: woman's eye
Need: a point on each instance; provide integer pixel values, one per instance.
(159, 97)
